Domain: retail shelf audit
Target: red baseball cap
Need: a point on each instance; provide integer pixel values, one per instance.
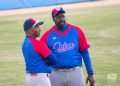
(57, 10)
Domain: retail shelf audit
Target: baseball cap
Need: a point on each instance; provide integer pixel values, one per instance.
(31, 22)
(57, 10)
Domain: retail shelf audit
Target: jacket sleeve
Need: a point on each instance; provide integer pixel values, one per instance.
(83, 44)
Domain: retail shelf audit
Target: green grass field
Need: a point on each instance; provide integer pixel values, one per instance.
(101, 25)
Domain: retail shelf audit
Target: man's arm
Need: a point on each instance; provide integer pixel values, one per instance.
(87, 61)
(51, 59)
(46, 53)
(41, 48)
(88, 64)
(83, 46)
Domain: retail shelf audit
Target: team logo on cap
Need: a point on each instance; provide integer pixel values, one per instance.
(57, 8)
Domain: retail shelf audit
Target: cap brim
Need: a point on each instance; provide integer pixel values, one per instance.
(39, 23)
(61, 12)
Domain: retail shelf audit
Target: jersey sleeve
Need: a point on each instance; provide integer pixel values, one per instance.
(41, 48)
(83, 44)
(87, 61)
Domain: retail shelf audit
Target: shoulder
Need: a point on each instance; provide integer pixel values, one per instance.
(76, 28)
(34, 41)
(27, 44)
(27, 41)
(37, 43)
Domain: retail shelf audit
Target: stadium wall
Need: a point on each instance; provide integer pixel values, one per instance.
(17, 4)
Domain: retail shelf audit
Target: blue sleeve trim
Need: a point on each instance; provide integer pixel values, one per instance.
(51, 59)
(87, 61)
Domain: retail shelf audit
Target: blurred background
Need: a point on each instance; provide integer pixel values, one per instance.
(99, 19)
(16, 4)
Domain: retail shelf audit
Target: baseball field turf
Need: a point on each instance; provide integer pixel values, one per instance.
(101, 25)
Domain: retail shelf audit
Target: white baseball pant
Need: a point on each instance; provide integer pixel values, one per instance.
(38, 79)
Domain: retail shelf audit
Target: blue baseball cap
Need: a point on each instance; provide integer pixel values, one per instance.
(31, 22)
(57, 10)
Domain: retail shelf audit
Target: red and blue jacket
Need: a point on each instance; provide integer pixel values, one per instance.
(69, 45)
(35, 54)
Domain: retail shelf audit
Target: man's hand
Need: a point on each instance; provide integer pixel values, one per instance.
(91, 80)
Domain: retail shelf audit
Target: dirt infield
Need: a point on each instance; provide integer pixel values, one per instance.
(66, 6)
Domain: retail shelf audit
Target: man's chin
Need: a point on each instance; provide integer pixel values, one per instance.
(38, 35)
(62, 25)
